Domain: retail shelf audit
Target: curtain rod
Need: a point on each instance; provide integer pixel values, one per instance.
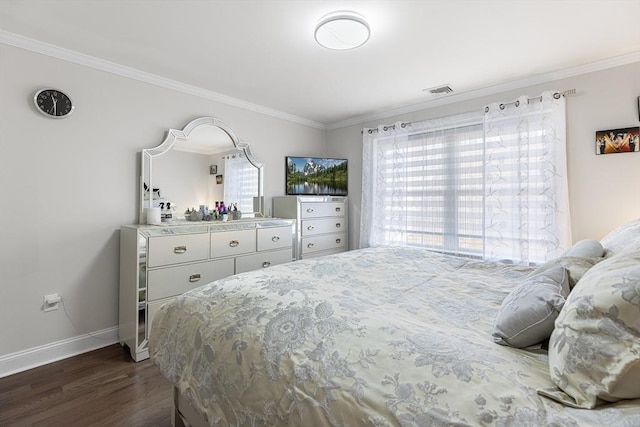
(556, 95)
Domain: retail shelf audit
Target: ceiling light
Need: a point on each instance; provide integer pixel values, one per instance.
(342, 30)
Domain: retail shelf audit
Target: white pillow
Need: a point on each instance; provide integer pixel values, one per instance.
(527, 314)
(586, 248)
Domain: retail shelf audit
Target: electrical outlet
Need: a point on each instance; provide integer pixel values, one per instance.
(51, 302)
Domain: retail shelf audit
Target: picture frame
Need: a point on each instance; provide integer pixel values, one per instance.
(623, 140)
(218, 179)
(213, 169)
(639, 108)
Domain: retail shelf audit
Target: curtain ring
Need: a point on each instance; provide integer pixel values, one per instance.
(556, 95)
(385, 128)
(403, 125)
(486, 109)
(518, 103)
(502, 106)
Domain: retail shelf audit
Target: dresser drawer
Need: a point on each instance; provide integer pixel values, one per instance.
(275, 238)
(167, 282)
(262, 260)
(228, 243)
(323, 243)
(174, 249)
(312, 227)
(318, 210)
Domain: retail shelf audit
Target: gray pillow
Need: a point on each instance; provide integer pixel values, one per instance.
(586, 248)
(576, 267)
(528, 313)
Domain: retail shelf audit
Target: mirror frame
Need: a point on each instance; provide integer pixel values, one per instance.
(173, 135)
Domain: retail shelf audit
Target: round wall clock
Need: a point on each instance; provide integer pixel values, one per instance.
(53, 103)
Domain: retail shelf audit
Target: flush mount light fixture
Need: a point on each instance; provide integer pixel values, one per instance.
(342, 30)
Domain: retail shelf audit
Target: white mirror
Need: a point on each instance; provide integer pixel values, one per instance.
(202, 164)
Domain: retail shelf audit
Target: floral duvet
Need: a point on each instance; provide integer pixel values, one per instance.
(373, 337)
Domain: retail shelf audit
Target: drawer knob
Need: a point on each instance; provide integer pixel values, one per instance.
(266, 264)
(194, 278)
(275, 238)
(338, 240)
(309, 210)
(234, 243)
(338, 209)
(311, 227)
(338, 225)
(310, 245)
(180, 249)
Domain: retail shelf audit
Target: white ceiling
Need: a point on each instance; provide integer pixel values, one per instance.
(263, 53)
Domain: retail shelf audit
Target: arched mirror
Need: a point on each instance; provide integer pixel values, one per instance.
(202, 164)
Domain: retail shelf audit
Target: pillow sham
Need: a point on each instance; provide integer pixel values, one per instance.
(526, 316)
(576, 267)
(616, 240)
(586, 248)
(594, 350)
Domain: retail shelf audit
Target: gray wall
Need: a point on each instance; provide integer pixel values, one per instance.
(67, 185)
(604, 190)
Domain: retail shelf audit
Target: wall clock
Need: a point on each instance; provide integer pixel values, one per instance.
(53, 103)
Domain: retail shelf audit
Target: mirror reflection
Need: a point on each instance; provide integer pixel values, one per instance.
(200, 165)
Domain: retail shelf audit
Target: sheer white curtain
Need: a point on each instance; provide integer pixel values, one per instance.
(488, 185)
(240, 182)
(422, 185)
(526, 190)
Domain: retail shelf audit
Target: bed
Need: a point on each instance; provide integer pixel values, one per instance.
(394, 336)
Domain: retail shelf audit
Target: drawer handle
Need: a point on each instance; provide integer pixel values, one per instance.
(311, 227)
(338, 225)
(309, 210)
(266, 264)
(275, 238)
(194, 278)
(234, 243)
(180, 249)
(338, 240)
(338, 209)
(310, 245)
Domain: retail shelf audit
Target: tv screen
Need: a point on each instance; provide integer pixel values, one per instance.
(316, 176)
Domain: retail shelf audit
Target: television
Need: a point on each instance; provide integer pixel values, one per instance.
(315, 176)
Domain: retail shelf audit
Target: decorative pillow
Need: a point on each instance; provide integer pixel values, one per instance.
(576, 267)
(594, 350)
(620, 237)
(527, 314)
(586, 248)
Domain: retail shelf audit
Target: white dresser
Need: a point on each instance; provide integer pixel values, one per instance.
(157, 263)
(321, 223)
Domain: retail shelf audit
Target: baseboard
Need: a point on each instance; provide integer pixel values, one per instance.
(52, 352)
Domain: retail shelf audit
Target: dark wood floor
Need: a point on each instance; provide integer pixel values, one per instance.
(101, 388)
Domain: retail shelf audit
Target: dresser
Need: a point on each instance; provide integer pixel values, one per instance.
(157, 263)
(321, 226)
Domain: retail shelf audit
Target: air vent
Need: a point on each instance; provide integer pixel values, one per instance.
(439, 90)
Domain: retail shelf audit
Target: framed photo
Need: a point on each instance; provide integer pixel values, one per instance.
(639, 108)
(213, 169)
(218, 179)
(625, 140)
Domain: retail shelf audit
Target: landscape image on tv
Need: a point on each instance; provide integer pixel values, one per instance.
(316, 176)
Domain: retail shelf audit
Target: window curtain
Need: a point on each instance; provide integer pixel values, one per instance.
(240, 182)
(490, 185)
(526, 190)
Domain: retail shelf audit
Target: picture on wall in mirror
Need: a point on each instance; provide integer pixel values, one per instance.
(624, 140)
(213, 169)
(218, 179)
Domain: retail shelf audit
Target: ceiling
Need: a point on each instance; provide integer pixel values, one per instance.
(262, 53)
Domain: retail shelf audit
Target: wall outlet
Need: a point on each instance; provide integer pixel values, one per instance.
(51, 302)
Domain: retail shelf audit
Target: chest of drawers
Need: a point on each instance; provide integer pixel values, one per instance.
(158, 263)
(321, 226)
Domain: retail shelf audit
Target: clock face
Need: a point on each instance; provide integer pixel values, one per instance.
(53, 103)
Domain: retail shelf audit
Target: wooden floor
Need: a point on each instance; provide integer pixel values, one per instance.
(101, 388)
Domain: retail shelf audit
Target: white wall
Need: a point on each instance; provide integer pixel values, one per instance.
(67, 185)
(604, 189)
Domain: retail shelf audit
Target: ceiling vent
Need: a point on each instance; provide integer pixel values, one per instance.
(439, 90)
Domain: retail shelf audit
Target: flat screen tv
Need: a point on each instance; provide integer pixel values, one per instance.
(316, 176)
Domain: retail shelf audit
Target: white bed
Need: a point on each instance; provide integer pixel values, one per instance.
(402, 337)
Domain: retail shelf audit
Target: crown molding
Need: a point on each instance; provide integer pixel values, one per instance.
(612, 62)
(36, 46)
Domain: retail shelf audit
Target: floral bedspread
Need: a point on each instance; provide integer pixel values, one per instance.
(373, 337)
